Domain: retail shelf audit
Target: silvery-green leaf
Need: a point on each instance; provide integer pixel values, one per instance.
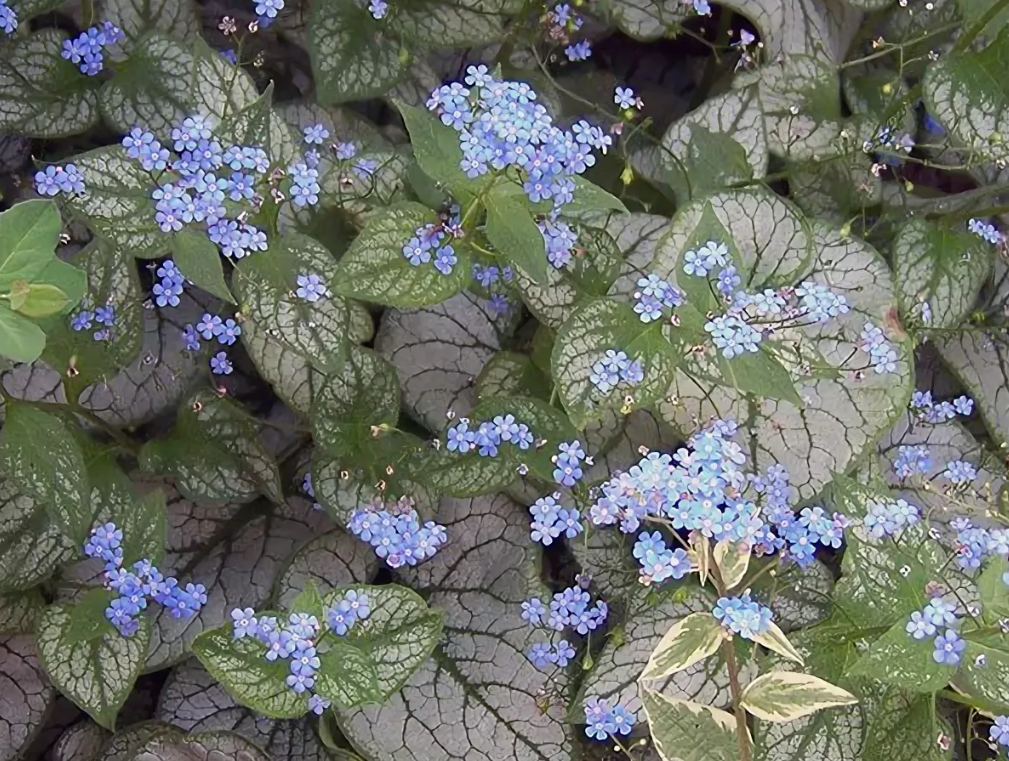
(627, 649)
(904, 727)
(27, 695)
(702, 141)
(821, 28)
(97, 674)
(112, 277)
(18, 609)
(478, 695)
(799, 597)
(963, 92)
(236, 559)
(509, 373)
(196, 702)
(979, 359)
(683, 730)
(343, 124)
(44, 95)
(117, 204)
(438, 352)
(334, 559)
(267, 288)
(164, 80)
(446, 24)
(27, 9)
(941, 266)
(354, 57)
(606, 557)
(214, 453)
(841, 415)
(836, 189)
(986, 680)
(649, 19)
(44, 461)
(201, 746)
(32, 545)
(897, 658)
(176, 18)
(81, 742)
(259, 124)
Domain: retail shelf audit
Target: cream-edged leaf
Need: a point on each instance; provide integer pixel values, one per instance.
(688, 641)
(775, 639)
(787, 695)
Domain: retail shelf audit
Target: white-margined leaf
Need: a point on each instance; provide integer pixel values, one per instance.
(165, 80)
(628, 647)
(32, 545)
(683, 730)
(787, 695)
(44, 95)
(374, 268)
(176, 18)
(196, 702)
(478, 694)
(688, 641)
(438, 352)
(267, 287)
(331, 560)
(963, 92)
(821, 28)
(201, 746)
(775, 640)
(732, 560)
(27, 693)
(97, 673)
(939, 266)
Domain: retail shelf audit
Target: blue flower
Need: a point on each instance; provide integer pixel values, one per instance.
(267, 9)
(316, 134)
(318, 705)
(459, 438)
(624, 97)
(948, 647)
(345, 151)
(244, 623)
(541, 654)
(563, 653)
(580, 51)
(963, 405)
(912, 460)
(919, 626)
(279, 644)
(743, 616)
(378, 8)
(220, 364)
(602, 722)
(999, 732)
(311, 288)
(533, 611)
(939, 612)
(960, 472)
(228, 333)
(8, 19)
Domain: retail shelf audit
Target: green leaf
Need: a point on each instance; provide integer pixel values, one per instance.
(512, 231)
(374, 268)
(761, 374)
(240, 666)
(258, 123)
(353, 56)
(897, 658)
(941, 266)
(436, 149)
(904, 728)
(29, 232)
(585, 338)
(686, 731)
(20, 339)
(18, 611)
(44, 95)
(98, 674)
(32, 545)
(200, 261)
(214, 453)
(994, 591)
(176, 18)
(267, 287)
(39, 454)
(165, 80)
(788, 695)
(688, 641)
(967, 93)
(511, 374)
(87, 617)
(441, 24)
(984, 680)
(590, 197)
(44, 301)
(377, 656)
(820, 28)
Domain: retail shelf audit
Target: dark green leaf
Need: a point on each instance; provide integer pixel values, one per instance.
(199, 259)
(436, 148)
(512, 231)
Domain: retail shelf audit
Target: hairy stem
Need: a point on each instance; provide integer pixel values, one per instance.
(742, 733)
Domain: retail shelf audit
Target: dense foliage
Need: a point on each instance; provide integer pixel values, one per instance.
(490, 379)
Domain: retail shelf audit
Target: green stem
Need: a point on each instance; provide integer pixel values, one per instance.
(971, 34)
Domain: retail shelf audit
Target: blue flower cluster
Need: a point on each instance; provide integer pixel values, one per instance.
(86, 50)
(489, 275)
(433, 240)
(733, 335)
(705, 259)
(8, 18)
(59, 179)
(985, 230)
(657, 561)
(882, 356)
(603, 722)
(937, 412)
(550, 520)
(615, 368)
(559, 240)
(742, 615)
(654, 295)
(975, 543)
(104, 316)
(136, 586)
(567, 463)
(700, 488)
(912, 460)
(888, 517)
(568, 609)
(399, 539)
(626, 99)
(960, 472)
(211, 326)
(169, 286)
(501, 127)
(488, 437)
(938, 614)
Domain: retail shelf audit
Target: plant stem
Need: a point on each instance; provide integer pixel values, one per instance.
(968, 36)
(742, 733)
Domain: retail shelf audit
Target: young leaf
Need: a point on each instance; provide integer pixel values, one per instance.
(87, 617)
(29, 233)
(774, 639)
(97, 674)
(512, 231)
(39, 454)
(436, 149)
(732, 559)
(788, 695)
(375, 269)
(590, 197)
(20, 339)
(688, 641)
(199, 259)
(686, 731)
